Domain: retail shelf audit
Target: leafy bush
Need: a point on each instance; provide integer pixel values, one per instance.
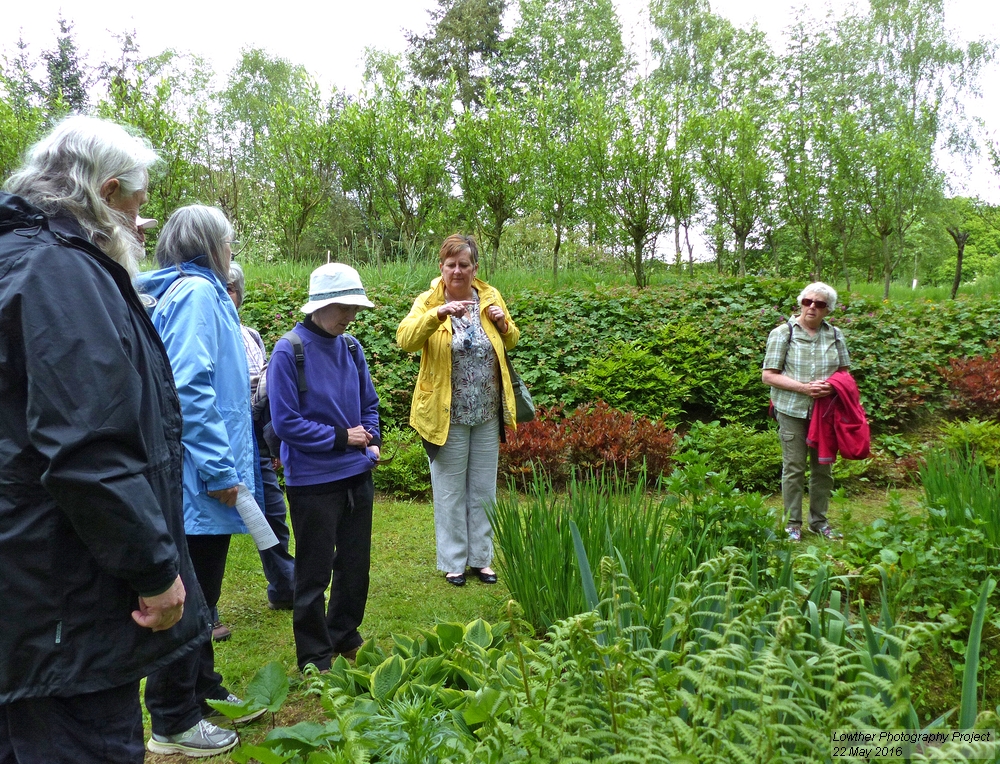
(709, 333)
(750, 458)
(592, 440)
(633, 378)
(408, 474)
(981, 439)
(974, 384)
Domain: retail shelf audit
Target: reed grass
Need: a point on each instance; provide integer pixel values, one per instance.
(962, 492)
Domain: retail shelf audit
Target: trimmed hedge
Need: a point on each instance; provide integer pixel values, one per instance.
(696, 347)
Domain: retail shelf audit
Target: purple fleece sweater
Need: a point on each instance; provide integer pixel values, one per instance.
(313, 425)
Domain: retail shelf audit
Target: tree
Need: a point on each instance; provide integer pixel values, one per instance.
(493, 164)
(560, 53)
(463, 41)
(565, 43)
(68, 79)
(393, 147)
(907, 72)
(21, 113)
(277, 147)
(734, 129)
(628, 144)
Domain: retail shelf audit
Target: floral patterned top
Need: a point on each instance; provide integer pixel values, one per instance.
(475, 372)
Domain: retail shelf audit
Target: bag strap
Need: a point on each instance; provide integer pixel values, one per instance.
(300, 358)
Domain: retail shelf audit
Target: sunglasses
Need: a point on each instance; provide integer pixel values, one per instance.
(807, 303)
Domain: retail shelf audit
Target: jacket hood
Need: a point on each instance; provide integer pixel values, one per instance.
(14, 209)
(157, 282)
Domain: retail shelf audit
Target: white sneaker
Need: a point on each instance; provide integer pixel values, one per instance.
(203, 739)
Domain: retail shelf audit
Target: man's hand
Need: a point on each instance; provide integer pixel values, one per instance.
(161, 612)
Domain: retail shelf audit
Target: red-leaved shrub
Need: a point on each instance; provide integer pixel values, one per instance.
(974, 384)
(591, 440)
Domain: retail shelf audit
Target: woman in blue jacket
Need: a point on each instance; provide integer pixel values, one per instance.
(201, 333)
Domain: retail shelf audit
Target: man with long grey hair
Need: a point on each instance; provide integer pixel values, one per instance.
(96, 585)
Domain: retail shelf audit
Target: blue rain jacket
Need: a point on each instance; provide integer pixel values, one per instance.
(201, 332)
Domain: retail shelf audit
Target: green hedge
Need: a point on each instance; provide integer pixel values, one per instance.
(688, 350)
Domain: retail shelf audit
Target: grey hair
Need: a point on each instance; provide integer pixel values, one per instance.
(237, 280)
(64, 173)
(818, 287)
(195, 231)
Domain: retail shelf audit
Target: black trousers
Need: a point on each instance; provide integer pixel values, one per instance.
(95, 728)
(332, 523)
(176, 694)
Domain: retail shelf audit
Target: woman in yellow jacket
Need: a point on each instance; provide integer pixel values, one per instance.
(462, 328)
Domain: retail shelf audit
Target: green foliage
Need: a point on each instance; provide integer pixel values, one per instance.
(963, 493)
(750, 458)
(930, 574)
(631, 378)
(575, 342)
(745, 669)
(980, 438)
(408, 474)
(657, 538)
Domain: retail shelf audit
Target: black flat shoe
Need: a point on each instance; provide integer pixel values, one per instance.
(458, 580)
(486, 578)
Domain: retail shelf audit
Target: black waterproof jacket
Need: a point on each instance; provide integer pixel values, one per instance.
(90, 469)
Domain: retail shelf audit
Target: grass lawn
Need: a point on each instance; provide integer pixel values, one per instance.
(408, 594)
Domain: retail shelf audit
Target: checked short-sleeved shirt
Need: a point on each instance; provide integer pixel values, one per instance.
(806, 359)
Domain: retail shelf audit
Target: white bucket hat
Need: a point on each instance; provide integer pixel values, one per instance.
(335, 283)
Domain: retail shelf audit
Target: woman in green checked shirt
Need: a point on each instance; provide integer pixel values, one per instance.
(801, 355)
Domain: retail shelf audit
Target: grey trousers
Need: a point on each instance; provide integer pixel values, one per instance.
(792, 432)
(464, 483)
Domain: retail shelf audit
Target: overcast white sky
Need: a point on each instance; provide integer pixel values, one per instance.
(329, 38)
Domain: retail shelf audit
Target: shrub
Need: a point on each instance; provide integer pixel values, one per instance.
(752, 459)
(981, 439)
(593, 440)
(632, 377)
(974, 384)
(408, 474)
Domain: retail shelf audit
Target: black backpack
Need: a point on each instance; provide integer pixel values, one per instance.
(268, 443)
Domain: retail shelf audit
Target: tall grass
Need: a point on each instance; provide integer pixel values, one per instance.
(962, 492)
(655, 536)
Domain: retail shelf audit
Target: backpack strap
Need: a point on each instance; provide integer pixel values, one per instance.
(300, 358)
(352, 345)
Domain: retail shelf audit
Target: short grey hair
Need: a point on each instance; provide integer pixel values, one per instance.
(195, 231)
(818, 287)
(237, 280)
(64, 173)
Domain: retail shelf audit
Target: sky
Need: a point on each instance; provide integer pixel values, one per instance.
(329, 38)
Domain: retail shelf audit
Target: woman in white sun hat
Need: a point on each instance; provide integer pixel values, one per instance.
(328, 424)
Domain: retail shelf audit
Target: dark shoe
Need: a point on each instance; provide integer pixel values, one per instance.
(486, 578)
(203, 739)
(351, 655)
(281, 605)
(458, 580)
(220, 632)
